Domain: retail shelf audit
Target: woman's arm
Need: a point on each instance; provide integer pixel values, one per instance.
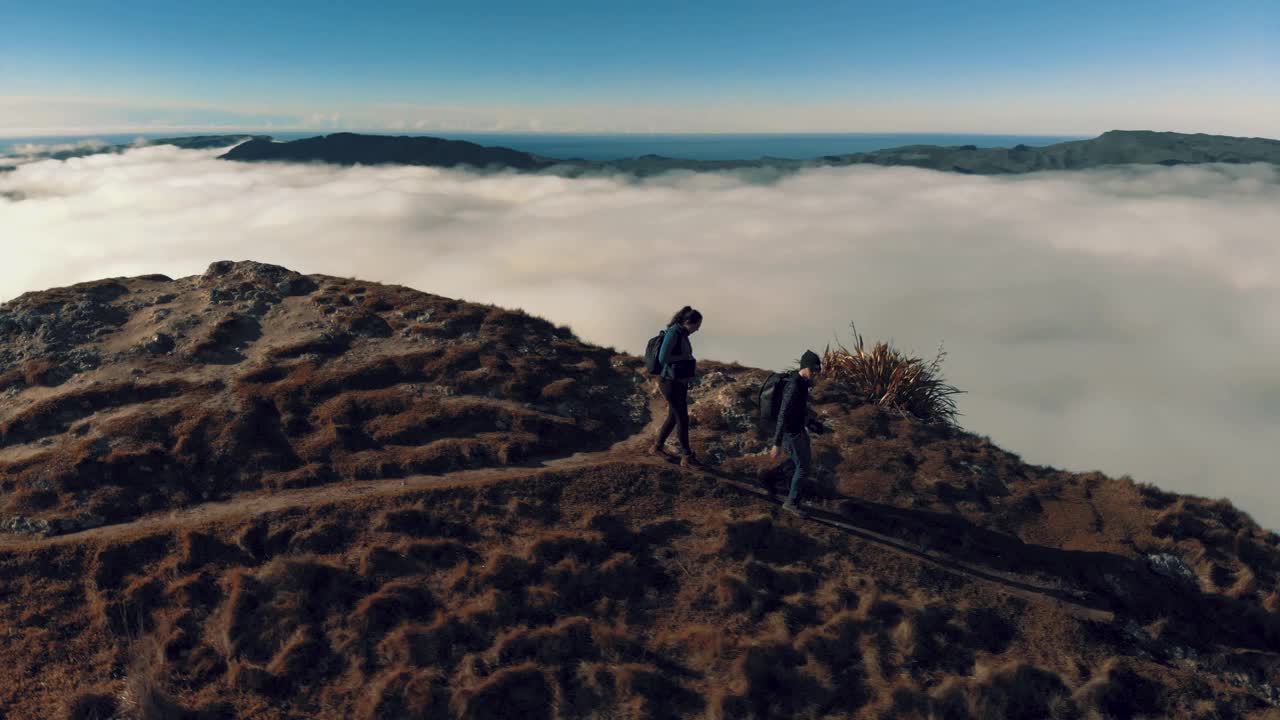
(670, 345)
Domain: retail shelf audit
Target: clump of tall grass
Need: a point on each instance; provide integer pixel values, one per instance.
(893, 379)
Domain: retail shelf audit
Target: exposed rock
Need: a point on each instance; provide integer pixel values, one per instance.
(224, 340)
(217, 269)
(251, 270)
(252, 286)
(366, 324)
(25, 526)
(41, 527)
(1172, 567)
(80, 360)
(1266, 691)
(159, 344)
(63, 318)
(296, 285)
(85, 521)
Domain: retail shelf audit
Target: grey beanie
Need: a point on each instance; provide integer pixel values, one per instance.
(810, 359)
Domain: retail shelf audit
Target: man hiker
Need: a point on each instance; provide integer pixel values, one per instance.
(791, 432)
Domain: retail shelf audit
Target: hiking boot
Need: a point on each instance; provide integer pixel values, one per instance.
(689, 461)
(657, 450)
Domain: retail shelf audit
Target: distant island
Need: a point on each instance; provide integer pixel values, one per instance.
(356, 149)
(1116, 147)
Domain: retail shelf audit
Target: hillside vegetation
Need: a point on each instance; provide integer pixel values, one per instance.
(255, 493)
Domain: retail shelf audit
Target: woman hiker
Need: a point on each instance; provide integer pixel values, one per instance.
(678, 366)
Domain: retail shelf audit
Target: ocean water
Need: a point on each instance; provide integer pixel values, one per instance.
(610, 147)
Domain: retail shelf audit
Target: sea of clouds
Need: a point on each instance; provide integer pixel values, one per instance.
(1126, 320)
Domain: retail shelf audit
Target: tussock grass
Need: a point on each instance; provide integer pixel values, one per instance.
(893, 379)
(144, 696)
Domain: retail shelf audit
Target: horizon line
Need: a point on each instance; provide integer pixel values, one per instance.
(23, 133)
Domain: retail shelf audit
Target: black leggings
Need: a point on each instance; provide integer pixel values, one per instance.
(677, 395)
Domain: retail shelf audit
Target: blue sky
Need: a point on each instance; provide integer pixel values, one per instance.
(1027, 67)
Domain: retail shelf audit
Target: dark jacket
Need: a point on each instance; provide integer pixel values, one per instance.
(676, 354)
(793, 413)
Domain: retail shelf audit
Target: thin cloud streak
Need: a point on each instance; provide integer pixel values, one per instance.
(1219, 109)
(1126, 320)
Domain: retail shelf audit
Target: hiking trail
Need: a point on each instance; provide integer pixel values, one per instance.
(629, 449)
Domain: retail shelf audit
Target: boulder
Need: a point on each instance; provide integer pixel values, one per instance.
(1172, 567)
(159, 344)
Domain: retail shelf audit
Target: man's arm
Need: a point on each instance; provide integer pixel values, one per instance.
(814, 423)
(788, 400)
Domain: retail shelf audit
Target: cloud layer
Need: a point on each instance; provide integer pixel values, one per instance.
(1125, 320)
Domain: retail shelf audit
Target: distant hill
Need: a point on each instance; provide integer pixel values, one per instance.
(355, 149)
(1117, 147)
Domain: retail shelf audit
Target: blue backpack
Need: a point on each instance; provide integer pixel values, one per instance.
(651, 364)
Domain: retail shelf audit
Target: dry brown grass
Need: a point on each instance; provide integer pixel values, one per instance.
(98, 705)
(675, 603)
(516, 692)
(618, 589)
(893, 379)
(144, 696)
(406, 694)
(292, 399)
(55, 415)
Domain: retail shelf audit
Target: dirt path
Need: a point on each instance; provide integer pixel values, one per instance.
(630, 449)
(258, 503)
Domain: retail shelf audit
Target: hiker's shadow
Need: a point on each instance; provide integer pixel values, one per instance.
(1124, 585)
(775, 478)
(1120, 584)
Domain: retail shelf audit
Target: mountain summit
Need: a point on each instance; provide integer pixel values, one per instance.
(257, 493)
